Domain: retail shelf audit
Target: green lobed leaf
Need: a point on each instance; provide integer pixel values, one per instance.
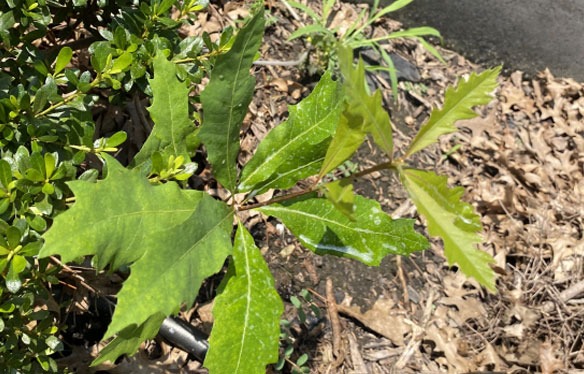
(129, 340)
(458, 104)
(295, 149)
(368, 107)
(451, 219)
(247, 314)
(225, 101)
(182, 256)
(170, 113)
(112, 217)
(175, 239)
(368, 238)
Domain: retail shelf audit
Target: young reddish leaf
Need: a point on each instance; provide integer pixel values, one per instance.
(247, 314)
(451, 219)
(225, 101)
(170, 113)
(458, 104)
(368, 238)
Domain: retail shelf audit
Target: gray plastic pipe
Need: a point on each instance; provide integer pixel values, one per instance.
(185, 336)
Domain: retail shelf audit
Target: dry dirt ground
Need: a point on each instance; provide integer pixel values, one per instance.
(521, 163)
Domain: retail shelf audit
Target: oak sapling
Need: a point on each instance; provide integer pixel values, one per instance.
(169, 234)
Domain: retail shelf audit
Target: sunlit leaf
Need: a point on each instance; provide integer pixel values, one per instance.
(124, 219)
(458, 104)
(368, 238)
(170, 113)
(247, 314)
(295, 149)
(348, 138)
(63, 59)
(225, 101)
(340, 193)
(451, 219)
(182, 256)
(363, 113)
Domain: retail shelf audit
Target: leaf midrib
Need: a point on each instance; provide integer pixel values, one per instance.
(292, 141)
(436, 124)
(230, 177)
(335, 223)
(247, 305)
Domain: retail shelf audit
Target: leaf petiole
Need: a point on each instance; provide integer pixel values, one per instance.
(390, 165)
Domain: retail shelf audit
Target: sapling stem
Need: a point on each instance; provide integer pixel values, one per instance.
(389, 165)
(75, 94)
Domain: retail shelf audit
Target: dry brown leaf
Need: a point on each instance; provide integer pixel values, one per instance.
(466, 309)
(490, 358)
(280, 84)
(205, 312)
(446, 342)
(343, 19)
(547, 359)
(381, 319)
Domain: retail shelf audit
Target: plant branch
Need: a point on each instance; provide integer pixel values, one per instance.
(389, 165)
(280, 198)
(75, 94)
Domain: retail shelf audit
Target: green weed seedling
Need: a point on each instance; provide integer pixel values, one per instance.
(308, 318)
(326, 39)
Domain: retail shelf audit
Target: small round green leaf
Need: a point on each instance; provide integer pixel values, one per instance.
(63, 59)
(302, 360)
(116, 139)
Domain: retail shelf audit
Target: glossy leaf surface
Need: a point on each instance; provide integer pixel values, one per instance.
(451, 219)
(170, 113)
(362, 114)
(225, 101)
(295, 149)
(347, 139)
(341, 194)
(123, 219)
(324, 229)
(247, 314)
(360, 104)
(458, 104)
(63, 59)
